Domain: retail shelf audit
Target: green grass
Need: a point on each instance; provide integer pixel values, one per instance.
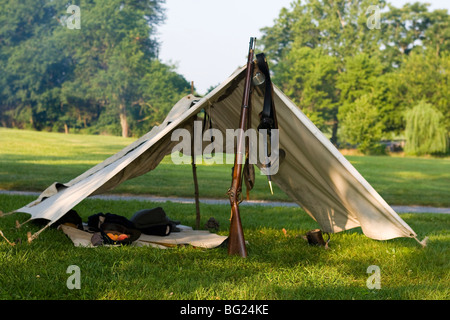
(279, 266)
(407, 181)
(33, 160)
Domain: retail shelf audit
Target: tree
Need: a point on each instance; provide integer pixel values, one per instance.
(114, 52)
(391, 68)
(403, 30)
(162, 87)
(309, 46)
(360, 124)
(31, 63)
(425, 131)
(425, 76)
(358, 115)
(339, 27)
(361, 72)
(309, 76)
(55, 77)
(437, 36)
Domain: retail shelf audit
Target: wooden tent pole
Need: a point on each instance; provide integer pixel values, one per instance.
(194, 174)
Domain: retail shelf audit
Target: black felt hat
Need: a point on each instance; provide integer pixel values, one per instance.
(152, 222)
(149, 217)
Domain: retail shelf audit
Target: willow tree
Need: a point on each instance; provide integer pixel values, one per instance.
(425, 131)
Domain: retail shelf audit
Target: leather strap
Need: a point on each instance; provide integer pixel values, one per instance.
(268, 118)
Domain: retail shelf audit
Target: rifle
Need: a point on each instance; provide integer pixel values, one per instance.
(236, 241)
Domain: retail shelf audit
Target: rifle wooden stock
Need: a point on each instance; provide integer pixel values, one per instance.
(236, 241)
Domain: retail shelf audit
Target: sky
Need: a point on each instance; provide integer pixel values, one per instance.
(207, 40)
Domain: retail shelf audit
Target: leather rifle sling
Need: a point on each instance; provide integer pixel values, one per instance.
(268, 116)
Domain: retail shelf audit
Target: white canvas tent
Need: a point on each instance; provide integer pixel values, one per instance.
(314, 173)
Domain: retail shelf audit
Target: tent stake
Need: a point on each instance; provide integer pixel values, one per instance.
(3, 214)
(35, 235)
(19, 225)
(423, 243)
(11, 243)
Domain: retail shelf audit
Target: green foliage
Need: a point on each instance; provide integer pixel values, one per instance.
(425, 131)
(425, 76)
(309, 45)
(360, 124)
(32, 65)
(326, 57)
(358, 115)
(405, 28)
(310, 77)
(106, 78)
(361, 74)
(90, 79)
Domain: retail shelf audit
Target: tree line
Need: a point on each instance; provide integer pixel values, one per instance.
(102, 77)
(366, 70)
(362, 71)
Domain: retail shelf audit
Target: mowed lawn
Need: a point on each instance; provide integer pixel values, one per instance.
(32, 161)
(280, 265)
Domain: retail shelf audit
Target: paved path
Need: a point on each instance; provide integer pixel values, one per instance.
(398, 209)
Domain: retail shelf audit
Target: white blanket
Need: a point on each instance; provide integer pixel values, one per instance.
(187, 236)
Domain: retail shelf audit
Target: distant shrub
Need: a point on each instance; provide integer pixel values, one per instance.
(425, 131)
